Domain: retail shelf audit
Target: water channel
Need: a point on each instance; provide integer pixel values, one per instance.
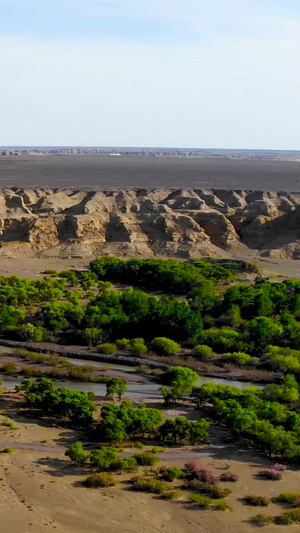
(141, 390)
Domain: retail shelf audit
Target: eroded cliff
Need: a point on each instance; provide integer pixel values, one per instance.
(145, 222)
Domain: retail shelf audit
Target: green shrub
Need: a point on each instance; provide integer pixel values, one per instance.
(139, 445)
(124, 344)
(149, 485)
(8, 450)
(126, 464)
(289, 517)
(146, 459)
(9, 368)
(172, 494)
(262, 520)
(8, 424)
(288, 497)
(139, 347)
(108, 348)
(77, 453)
(169, 474)
(100, 480)
(164, 346)
(261, 501)
(239, 358)
(155, 449)
(51, 272)
(201, 501)
(204, 351)
(31, 371)
(221, 505)
(213, 491)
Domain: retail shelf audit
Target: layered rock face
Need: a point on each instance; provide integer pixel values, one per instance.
(146, 222)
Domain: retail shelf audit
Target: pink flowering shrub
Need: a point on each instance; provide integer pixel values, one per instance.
(272, 473)
(279, 467)
(195, 471)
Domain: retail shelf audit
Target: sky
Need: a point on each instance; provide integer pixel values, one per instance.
(172, 73)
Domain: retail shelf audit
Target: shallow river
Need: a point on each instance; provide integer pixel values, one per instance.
(142, 390)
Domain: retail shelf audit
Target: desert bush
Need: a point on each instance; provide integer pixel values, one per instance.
(194, 470)
(258, 501)
(169, 474)
(237, 358)
(138, 445)
(155, 449)
(31, 371)
(290, 498)
(272, 473)
(100, 480)
(123, 344)
(8, 424)
(279, 467)
(77, 453)
(164, 346)
(221, 505)
(229, 476)
(8, 450)
(51, 272)
(262, 520)
(213, 490)
(9, 368)
(288, 518)
(126, 464)
(146, 459)
(172, 494)
(36, 357)
(139, 347)
(201, 501)
(149, 485)
(108, 348)
(203, 351)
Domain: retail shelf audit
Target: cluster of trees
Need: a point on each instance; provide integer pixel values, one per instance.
(266, 418)
(169, 276)
(181, 429)
(76, 406)
(103, 458)
(120, 422)
(197, 311)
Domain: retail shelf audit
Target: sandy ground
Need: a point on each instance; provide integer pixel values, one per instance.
(34, 267)
(41, 490)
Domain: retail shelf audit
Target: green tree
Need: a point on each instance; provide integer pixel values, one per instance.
(93, 336)
(180, 380)
(77, 453)
(263, 331)
(116, 387)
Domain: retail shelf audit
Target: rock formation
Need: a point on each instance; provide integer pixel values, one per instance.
(146, 222)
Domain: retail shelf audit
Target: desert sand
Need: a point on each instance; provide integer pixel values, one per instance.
(42, 491)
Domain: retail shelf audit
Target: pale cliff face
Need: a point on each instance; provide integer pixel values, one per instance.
(146, 222)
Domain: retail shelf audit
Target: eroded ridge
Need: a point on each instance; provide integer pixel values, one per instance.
(52, 222)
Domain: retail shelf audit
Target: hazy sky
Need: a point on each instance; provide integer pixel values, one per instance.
(186, 73)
